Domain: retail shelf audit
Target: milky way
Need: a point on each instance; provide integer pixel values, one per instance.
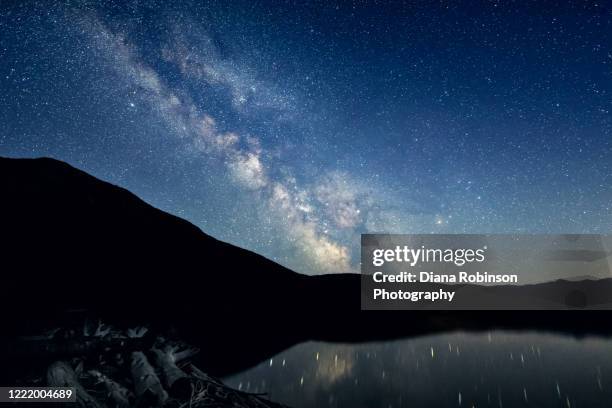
(291, 129)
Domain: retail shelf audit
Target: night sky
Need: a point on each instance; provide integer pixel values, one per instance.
(289, 128)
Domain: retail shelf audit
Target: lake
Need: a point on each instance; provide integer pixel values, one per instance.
(490, 369)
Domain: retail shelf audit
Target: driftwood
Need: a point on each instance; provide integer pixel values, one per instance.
(177, 382)
(148, 388)
(112, 371)
(61, 374)
(117, 395)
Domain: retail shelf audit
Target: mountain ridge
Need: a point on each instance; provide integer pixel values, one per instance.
(82, 230)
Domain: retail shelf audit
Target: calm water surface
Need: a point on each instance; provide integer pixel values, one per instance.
(497, 369)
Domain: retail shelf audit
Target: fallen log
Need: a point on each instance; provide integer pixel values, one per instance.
(60, 374)
(115, 392)
(176, 381)
(172, 381)
(147, 387)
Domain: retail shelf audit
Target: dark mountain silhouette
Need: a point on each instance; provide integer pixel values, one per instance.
(581, 278)
(78, 242)
(74, 246)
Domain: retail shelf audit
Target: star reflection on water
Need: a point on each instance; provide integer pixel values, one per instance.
(494, 369)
